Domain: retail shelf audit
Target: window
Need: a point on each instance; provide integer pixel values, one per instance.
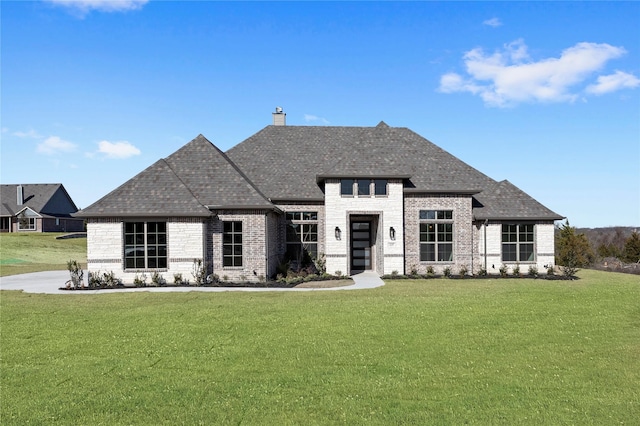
(232, 244)
(436, 235)
(346, 187)
(362, 187)
(380, 186)
(302, 236)
(27, 223)
(517, 243)
(145, 245)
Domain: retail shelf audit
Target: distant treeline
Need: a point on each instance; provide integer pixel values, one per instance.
(614, 248)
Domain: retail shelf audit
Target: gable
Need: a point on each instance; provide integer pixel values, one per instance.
(47, 198)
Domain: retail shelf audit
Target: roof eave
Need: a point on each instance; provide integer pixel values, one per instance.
(322, 177)
(517, 218)
(442, 191)
(243, 207)
(138, 214)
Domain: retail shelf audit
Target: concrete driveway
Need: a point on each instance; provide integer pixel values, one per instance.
(50, 282)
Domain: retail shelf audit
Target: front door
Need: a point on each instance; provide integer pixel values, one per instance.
(360, 246)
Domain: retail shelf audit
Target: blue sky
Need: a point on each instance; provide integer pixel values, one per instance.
(546, 95)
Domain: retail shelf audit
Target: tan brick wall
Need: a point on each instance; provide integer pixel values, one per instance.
(463, 231)
(254, 255)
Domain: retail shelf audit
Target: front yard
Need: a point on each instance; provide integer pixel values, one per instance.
(507, 351)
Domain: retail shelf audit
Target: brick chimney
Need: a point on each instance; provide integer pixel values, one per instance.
(279, 117)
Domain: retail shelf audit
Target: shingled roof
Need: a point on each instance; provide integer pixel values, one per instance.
(43, 198)
(189, 182)
(505, 201)
(286, 162)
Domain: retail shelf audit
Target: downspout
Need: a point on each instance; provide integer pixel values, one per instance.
(486, 221)
(266, 245)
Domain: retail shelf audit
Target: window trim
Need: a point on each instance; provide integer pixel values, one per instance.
(31, 223)
(233, 244)
(304, 219)
(518, 244)
(162, 261)
(372, 188)
(437, 218)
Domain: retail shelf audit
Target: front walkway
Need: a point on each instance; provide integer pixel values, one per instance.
(50, 282)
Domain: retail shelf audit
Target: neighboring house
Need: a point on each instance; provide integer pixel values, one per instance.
(363, 198)
(38, 208)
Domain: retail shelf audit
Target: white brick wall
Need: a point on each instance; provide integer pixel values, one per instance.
(544, 247)
(105, 247)
(389, 212)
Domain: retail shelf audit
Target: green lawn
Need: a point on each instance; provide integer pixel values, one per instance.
(21, 253)
(513, 351)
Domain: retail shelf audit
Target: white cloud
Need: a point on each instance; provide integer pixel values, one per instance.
(509, 76)
(493, 22)
(613, 82)
(314, 118)
(54, 145)
(86, 6)
(117, 150)
(31, 134)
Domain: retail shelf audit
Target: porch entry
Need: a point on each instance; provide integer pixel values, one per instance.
(361, 242)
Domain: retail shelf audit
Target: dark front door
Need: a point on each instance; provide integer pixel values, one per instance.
(360, 246)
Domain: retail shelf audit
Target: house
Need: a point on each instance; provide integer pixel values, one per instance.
(38, 208)
(361, 198)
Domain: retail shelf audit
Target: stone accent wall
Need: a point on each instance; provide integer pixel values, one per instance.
(386, 212)
(254, 255)
(185, 242)
(104, 247)
(544, 247)
(463, 231)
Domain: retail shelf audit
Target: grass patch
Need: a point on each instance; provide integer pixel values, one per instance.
(411, 352)
(21, 253)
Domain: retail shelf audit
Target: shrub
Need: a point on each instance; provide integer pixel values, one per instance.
(320, 263)
(414, 270)
(430, 271)
(157, 279)
(447, 271)
(394, 273)
(533, 271)
(109, 279)
(76, 272)
(516, 270)
(550, 270)
(177, 279)
(338, 274)
(504, 270)
(94, 280)
(482, 271)
(199, 271)
(463, 270)
(140, 281)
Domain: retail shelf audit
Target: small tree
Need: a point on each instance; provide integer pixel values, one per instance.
(573, 250)
(631, 251)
